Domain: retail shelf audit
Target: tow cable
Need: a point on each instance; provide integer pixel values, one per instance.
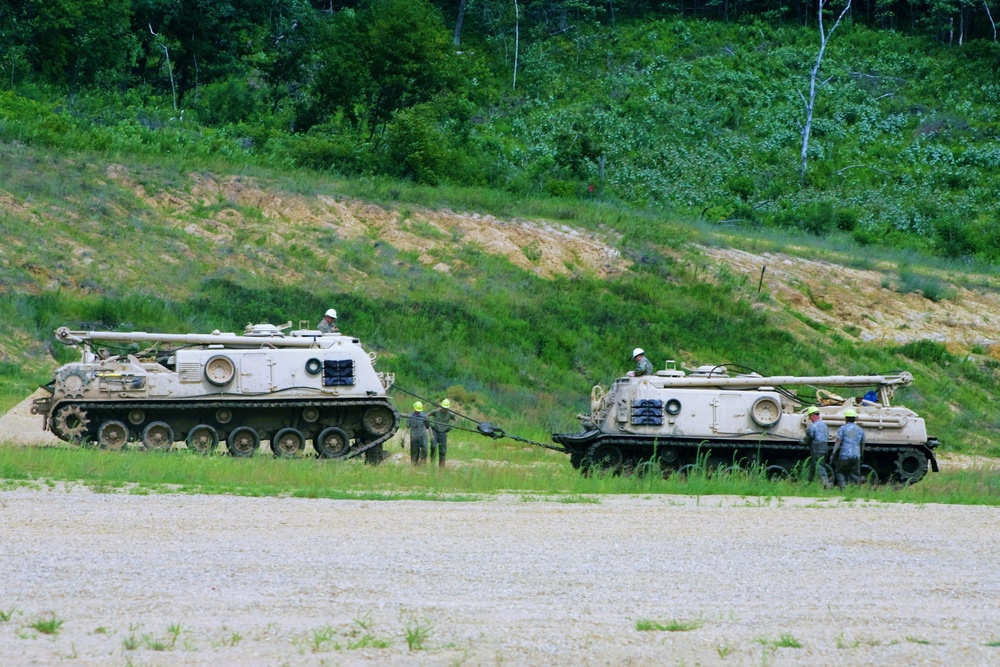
(482, 428)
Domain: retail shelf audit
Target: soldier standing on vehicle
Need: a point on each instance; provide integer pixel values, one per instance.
(642, 365)
(848, 449)
(817, 438)
(416, 424)
(441, 419)
(329, 322)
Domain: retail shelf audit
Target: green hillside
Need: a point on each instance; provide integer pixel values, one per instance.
(355, 162)
(159, 247)
(694, 118)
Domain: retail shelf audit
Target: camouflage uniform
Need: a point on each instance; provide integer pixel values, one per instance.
(416, 423)
(327, 327)
(818, 439)
(441, 420)
(849, 447)
(643, 367)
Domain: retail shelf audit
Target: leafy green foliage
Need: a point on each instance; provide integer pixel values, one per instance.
(621, 104)
(387, 56)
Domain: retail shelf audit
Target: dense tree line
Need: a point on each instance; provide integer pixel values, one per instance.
(297, 45)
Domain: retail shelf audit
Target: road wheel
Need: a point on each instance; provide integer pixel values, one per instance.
(869, 476)
(113, 435)
(157, 436)
(288, 442)
(776, 473)
(378, 420)
(689, 470)
(243, 441)
(607, 458)
(332, 443)
(202, 439)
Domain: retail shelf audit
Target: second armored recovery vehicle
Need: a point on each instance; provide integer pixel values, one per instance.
(239, 389)
(679, 420)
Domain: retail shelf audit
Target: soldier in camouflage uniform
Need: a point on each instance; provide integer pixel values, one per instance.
(848, 449)
(441, 419)
(817, 438)
(642, 365)
(329, 322)
(416, 424)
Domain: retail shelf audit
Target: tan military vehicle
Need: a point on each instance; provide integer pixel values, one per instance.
(709, 417)
(266, 384)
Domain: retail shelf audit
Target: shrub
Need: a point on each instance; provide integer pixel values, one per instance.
(415, 146)
(926, 351)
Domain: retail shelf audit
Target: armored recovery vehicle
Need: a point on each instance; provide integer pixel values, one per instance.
(710, 417)
(238, 389)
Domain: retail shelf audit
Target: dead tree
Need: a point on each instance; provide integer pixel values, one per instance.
(810, 104)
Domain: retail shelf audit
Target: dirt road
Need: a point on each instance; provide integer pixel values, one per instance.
(217, 580)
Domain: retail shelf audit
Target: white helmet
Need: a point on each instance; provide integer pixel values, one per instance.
(331, 313)
(636, 352)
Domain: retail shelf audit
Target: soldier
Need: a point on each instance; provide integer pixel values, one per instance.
(416, 424)
(817, 438)
(441, 419)
(329, 322)
(850, 446)
(642, 365)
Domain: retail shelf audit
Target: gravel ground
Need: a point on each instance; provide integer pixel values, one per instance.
(271, 581)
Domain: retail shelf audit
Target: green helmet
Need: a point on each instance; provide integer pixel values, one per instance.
(418, 406)
(850, 412)
(445, 403)
(812, 410)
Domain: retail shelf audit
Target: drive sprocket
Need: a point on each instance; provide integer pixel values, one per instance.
(70, 423)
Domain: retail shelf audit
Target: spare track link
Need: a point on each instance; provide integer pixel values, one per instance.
(195, 405)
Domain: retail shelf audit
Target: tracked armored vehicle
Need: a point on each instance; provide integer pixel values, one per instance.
(222, 387)
(711, 418)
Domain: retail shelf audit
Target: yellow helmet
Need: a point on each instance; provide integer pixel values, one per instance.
(418, 406)
(850, 412)
(812, 410)
(445, 403)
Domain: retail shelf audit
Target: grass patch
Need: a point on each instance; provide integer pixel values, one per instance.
(929, 287)
(646, 625)
(922, 642)
(48, 626)
(417, 633)
(785, 641)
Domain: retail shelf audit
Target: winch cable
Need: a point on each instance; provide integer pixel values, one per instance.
(482, 428)
(781, 390)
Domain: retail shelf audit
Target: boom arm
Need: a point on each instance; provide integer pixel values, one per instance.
(901, 379)
(68, 337)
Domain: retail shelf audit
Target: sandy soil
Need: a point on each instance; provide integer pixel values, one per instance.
(266, 581)
(865, 301)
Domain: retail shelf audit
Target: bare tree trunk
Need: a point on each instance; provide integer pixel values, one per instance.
(986, 4)
(458, 22)
(517, 39)
(170, 70)
(810, 104)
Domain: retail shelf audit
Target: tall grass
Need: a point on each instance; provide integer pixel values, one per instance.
(477, 470)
